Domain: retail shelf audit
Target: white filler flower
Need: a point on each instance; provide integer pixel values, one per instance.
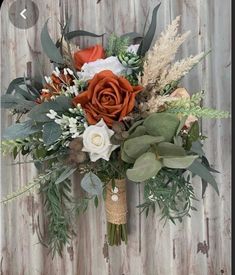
(133, 48)
(111, 63)
(96, 141)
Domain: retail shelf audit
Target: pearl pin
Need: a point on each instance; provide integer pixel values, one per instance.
(114, 198)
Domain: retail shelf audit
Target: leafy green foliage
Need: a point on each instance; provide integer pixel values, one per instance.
(170, 149)
(146, 166)
(22, 191)
(66, 173)
(201, 112)
(202, 171)
(60, 105)
(178, 162)
(15, 82)
(49, 46)
(21, 130)
(14, 146)
(172, 192)
(135, 147)
(150, 153)
(56, 197)
(115, 168)
(116, 45)
(20, 96)
(17, 102)
(148, 38)
(193, 135)
(190, 106)
(162, 124)
(51, 132)
(92, 184)
(132, 36)
(77, 33)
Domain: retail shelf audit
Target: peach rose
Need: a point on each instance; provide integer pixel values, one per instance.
(109, 97)
(88, 55)
(182, 93)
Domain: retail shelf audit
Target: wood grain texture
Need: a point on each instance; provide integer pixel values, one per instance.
(198, 246)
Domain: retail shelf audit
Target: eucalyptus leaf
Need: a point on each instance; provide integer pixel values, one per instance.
(49, 47)
(126, 158)
(38, 113)
(23, 91)
(51, 132)
(148, 38)
(14, 83)
(92, 184)
(63, 103)
(139, 131)
(178, 140)
(204, 186)
(197, 148)
(206, 163)
(73, 34)
(10, 101)
(135, 147)
(199, 169)
(60, 105)
(65, 174)
(145, 167)
(21, 130)
(133, 36)
(33, 90)
(136, 124)
(162, 124)
(170, 150)
(178, 162)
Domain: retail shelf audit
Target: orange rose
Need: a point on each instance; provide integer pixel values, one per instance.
(109, 97)
(88, 55)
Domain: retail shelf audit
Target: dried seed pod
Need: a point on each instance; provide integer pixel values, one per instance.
(125, 135)
(118, 127)
(77, 158)
(76, 144)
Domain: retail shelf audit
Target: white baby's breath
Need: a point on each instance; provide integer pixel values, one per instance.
(52, 114)
(133, 48)
(48, 79)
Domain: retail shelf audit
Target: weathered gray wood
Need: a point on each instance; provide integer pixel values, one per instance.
(200, 245)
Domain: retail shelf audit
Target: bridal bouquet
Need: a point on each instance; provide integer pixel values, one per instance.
(110, 114)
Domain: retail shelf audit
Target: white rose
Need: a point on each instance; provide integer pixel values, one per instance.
(96, 141)
(111, 63)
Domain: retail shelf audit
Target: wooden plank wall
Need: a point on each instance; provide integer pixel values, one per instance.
(198, 246)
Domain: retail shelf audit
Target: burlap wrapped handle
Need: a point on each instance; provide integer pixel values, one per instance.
(115, 203)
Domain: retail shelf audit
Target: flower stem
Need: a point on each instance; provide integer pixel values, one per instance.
(116, 234)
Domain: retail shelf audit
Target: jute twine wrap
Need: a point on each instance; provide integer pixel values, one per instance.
(116, 211)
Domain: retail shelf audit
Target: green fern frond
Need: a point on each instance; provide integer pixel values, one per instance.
(186, 103)
(13, 146)
(35, 184)
(200, 112)
(25, 189)
(191, 106)
(116, 45)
